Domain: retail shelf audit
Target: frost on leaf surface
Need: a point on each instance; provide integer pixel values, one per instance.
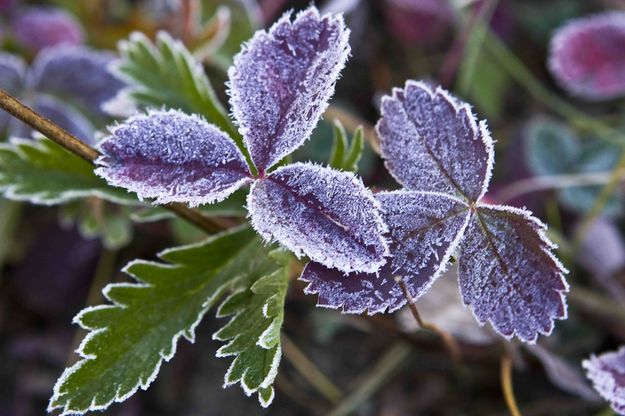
(12, 70)
(324, 214)
(432, 142)
(44, 26)
(424, 230)
(172, 157)
(76, 73)
(586, 56)
(607, 373)
(508, 274)
(130, 338)
(281, 82)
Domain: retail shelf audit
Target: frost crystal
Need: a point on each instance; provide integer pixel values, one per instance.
(424, 230)
(325, 214)
(432, 142)
(508, 275)
(76, 72)
(282, 80)
(171, 156)
(586, 56)
(607, 373)
(41, 27)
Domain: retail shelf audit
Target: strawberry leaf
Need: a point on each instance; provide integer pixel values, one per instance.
(172, 157)
(281, 82)
(324, 214)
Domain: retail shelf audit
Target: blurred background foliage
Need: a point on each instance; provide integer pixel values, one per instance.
(555, 155)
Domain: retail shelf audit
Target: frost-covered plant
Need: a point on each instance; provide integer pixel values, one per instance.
(586, 56)
(60, 80)
(434, 146)
(279, 87)
(607, 373)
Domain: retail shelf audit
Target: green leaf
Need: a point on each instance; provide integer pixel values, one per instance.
(165, 74)
(129, 339)
(551, 147)
(253, 333)
(346, 153)
(99, 219)
(42, 172)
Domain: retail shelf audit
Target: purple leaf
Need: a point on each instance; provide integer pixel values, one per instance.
(424, 231)
(607, 373)
(172, 157)
(60, 113)
(281, 82)
(419, 22)
(586, 56)
(432, 142)
(76, 73)
(40, 27)
(324, 214)
(12, 70)
(508, 274)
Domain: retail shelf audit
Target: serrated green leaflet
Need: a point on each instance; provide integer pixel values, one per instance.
(165, 74)
(253, 333)
(130, 339)
(42, 172)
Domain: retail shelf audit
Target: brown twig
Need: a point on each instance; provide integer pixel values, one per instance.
(506, 385)
(449, 341)
(74, 145)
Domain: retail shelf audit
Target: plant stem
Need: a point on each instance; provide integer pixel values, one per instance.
(541, 183)
(74, 145)
(449, 341)
(310, 372)
(391, 362)
(506, 385)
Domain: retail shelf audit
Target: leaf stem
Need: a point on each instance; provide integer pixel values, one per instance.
(310, 372)
(76, 146)
(449, 341)
(506, 385)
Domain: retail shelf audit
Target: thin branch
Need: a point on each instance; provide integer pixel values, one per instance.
(76, 146)
(542, 183)
(310, 372)
(506, 385)
(449, 341)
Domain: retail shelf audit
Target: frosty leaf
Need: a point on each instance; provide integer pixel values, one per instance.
(77, 74)
(607, 373)
(281, 82)
(130, 338)
(432, 142)
(253, 333)
(61, 114)
(165, 74)
(508, 274)
(424, 231)
(42, 172)
(12, 70)
(324, 214)
(40, 27)
(172, 157)
(585, 59)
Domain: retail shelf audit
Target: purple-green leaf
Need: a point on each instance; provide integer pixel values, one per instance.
(172, 157)
(322, 213)
(281, 82)
(433, 142)
(508, 274)
(607, 373)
